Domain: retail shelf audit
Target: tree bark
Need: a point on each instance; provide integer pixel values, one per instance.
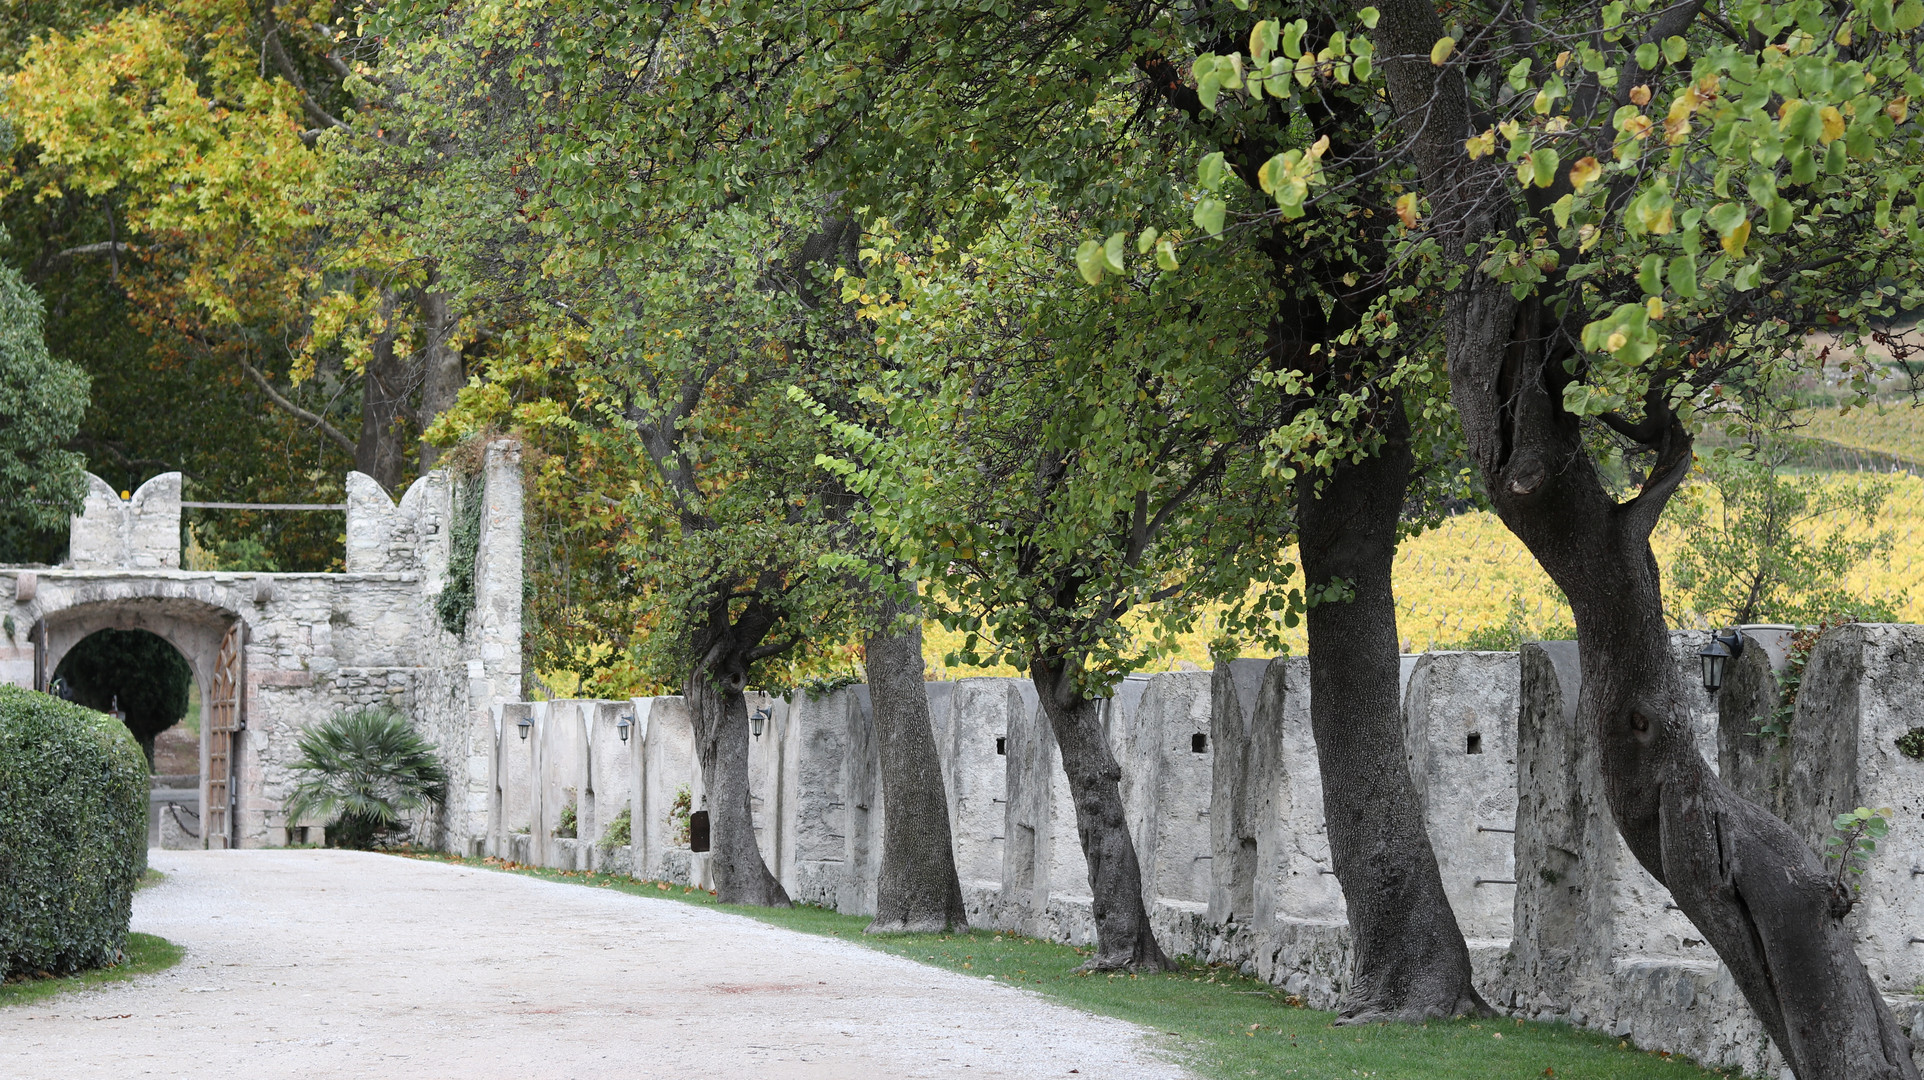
(442, 372)
(1755, 890)
(1411, 963)
(380, 451)
(719, 713)
(1125, 941)
(919, 890)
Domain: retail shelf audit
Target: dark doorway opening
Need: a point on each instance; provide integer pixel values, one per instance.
(142, 679)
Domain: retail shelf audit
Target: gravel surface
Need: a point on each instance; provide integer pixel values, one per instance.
(341, 964)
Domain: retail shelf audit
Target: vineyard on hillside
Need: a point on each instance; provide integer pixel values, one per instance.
(1470, 584)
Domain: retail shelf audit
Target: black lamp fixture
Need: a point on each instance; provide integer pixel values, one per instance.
(622, 725)
(756, 719)
(1725, 645)
(526, 724)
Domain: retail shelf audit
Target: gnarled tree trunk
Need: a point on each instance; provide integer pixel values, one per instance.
(442, 375)
(380, 451)
(719, 712)
(919, 890)
(1753, 887)
(1124, 938)
(1411, 962)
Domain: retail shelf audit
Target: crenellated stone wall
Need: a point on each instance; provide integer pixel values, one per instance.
(1223, 794)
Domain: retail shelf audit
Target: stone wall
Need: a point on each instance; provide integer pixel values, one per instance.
(1224, 798)
(312, 644)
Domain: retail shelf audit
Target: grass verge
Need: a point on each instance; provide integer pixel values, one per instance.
(145, 954)
(1227, 1026)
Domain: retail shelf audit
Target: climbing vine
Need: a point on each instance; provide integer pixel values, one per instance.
(464, 544)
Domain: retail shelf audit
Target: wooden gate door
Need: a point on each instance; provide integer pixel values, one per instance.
(223, 721)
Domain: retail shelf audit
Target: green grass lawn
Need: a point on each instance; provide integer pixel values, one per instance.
(145, 954)
(1225, 1025)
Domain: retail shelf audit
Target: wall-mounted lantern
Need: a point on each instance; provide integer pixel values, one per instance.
(622, 725)
(757, 718)
(526, 725)
(1725, 646)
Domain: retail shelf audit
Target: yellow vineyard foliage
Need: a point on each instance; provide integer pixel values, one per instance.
(1471, 574)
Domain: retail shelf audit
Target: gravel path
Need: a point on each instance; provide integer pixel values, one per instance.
(339, 964)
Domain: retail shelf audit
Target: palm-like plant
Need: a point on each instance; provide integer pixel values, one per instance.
(363, 770)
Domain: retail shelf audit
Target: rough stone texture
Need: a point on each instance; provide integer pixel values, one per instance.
(1166, 782)
(338, 964)
(971, 716)
(141, 533)
(1864, 688)
(1755, 765)
(1459, 713)
(312, 644)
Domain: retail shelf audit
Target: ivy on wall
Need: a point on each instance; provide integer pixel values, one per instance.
(464, 545)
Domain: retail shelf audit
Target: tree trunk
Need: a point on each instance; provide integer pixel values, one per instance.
(380, 451)
(918, 891)
(442, 373)
(1124, 939)
(1757, 892)
(719, 712)
(1411, 963)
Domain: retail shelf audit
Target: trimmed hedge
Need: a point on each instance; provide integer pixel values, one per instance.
(73, 834)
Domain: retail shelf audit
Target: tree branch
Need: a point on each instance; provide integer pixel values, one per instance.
(320, 423)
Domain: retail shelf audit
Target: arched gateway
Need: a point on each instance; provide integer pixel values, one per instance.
(273, 653)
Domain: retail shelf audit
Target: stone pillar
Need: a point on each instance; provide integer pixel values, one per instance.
(1246, 706)
(1163, 738)
(1460, 719)
(493, 637)
(1862, 691)
(972, 719)
(1755, 765)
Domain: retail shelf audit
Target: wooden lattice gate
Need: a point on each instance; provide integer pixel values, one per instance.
(223, 724)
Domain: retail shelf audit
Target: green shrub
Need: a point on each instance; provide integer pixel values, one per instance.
(619, 833)
(365, 770)
(73, 834)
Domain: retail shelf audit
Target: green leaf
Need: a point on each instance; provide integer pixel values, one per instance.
(1293, 38)
(1748, 277)
(1209, 173)
(1674, 49)
(1544, 162)
(1209, 214)
(1520, 74)
(1683, 276)
(1368, 16)
(1089, 261)
(1650, 275)
(1647, 54)
(1166, 255)
(1112, 253)
(1146, 241)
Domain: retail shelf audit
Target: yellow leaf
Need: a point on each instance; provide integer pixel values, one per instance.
(1440, 52)
(1585, 172)
(1640, 96)
(1406, 209)
(1481, 145)
(1833, 125)
(1654, 306)
(1734, 240)
(1898, 109)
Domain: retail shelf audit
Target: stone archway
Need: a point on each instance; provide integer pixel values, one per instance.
(208, 636)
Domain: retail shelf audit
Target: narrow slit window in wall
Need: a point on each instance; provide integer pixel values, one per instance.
(1002, 745)
(1199, 743)
(1474, 744)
